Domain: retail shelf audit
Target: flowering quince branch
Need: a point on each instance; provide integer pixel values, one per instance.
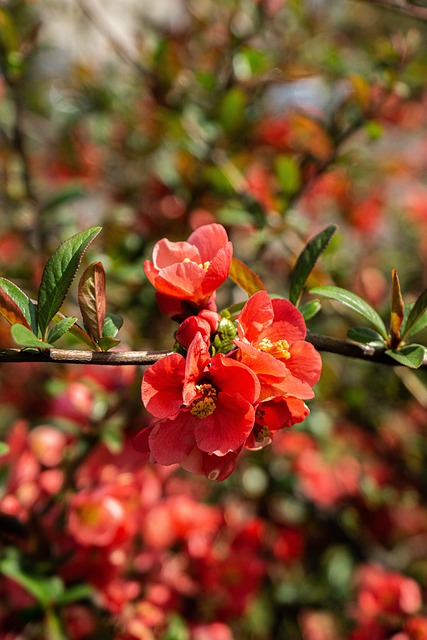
(234, 377)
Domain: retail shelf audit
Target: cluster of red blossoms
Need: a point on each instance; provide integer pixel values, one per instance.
(232, 382)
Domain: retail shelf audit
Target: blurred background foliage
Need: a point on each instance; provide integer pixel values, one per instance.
(275, 118)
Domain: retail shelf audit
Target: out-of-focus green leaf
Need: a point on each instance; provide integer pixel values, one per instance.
(4, 448)
(412, 355)
(306, 261)
(245, 278)
(288, 173)
(63, 197)
(24, 337)
(16, 306)
(231, 111)
(59, 273)
(58, 330)
(365, 335)
(354, 303)
(310, 309)
(45, 590)
(417, 317)
(93, 299)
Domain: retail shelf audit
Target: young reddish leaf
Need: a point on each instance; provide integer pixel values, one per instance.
(306, 261)
(411, 356)
(397, 310)
(355, 303)
(415, 321)
(93, 300)
(24, 337)
(245, 278)
(59, 273)
(16, 306)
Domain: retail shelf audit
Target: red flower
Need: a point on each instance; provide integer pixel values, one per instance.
(205, 406)
(188, 273)
(277, 328)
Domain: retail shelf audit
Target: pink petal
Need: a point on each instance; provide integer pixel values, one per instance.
(208, 239)
(214, 467)
(171, 441)
(227, 428)
(162, 386)
(218, 269)
(305, 362)
(181, 280)
(197, 359)
(234, 377)
(256, 315)
(166, 253)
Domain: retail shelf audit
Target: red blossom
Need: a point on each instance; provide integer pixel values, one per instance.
(190, 272)
(205, 406)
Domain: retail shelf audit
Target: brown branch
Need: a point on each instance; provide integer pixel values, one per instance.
(402, 6)
(340, 347)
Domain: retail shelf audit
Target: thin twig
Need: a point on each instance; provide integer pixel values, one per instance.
(340, 347)
(402, 6)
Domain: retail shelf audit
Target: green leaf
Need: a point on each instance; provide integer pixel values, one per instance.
(112, 325)
(63, 197)
(16, 306)
(415, 321)
(310, 309)
(306, 261)
(106, 343)
(412, 355)
(74, 594)
(365, 335)
(58, 330)
(288, 173)
(4, 448)
(44, 589)
(59, 273)
(232, 109)
(93, 299)
(77, 331)
(24, 337)
(245, 278)
(355, 303)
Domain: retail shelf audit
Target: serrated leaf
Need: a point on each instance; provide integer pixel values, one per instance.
(397, 309)
(93, 299)
(24, 337)
(106, 343)
(245, 278)
(59, 273)
(354, 303)
(58, 330)
(412, 355)
(306, 261)
(365, 335)
(413, 324)
(112, 325)
(310, 309)
(16, 306)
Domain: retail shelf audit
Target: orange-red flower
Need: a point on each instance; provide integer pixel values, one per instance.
(187, 274)
(205, 407)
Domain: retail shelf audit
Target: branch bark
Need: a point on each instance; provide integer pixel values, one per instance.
(402, 6)
(340, 347)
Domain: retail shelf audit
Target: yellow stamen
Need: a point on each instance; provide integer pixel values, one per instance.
(204, 265)
(278, 349)
(204, 406)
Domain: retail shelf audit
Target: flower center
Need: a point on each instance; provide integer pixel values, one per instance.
(278, 349)
(205, 405)
(204, 265)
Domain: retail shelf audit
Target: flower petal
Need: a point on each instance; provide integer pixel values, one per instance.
(227, 428)
(208, 239)
(256, 315)
(305, 362)
(166, 253)
(171, 441)
(162, 386)
(181, 280)
(218, 270)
